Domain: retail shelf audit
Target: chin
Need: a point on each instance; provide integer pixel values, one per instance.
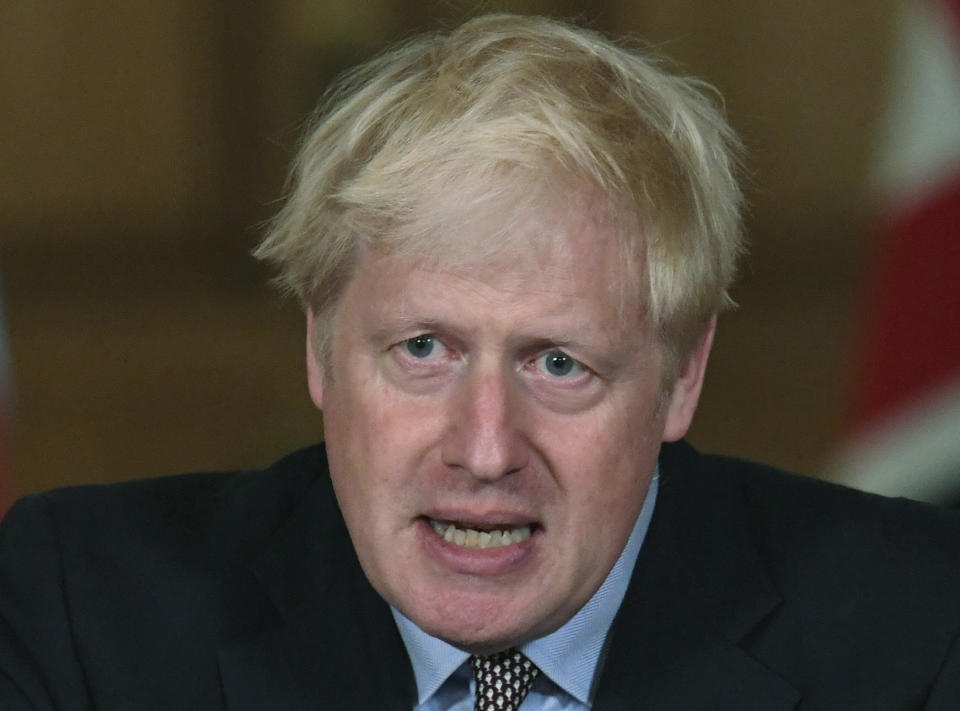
(481, 641)
(477, 624)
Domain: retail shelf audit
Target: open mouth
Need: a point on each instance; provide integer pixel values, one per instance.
(481, 537)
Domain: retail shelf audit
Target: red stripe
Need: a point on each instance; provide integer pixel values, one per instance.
(953, 8)
(912, 341)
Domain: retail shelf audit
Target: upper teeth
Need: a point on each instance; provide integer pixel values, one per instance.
(472, 538)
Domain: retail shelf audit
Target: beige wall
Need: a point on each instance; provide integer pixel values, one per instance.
(143, 141)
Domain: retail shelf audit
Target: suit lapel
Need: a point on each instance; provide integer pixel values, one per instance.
(332, 643)
(698, 589)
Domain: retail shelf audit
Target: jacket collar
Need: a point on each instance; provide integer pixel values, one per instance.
(698, 589)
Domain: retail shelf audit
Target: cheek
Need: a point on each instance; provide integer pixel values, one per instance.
(606, 438)
(609, 462)
(382, 437)
(401, 427)
(362, 409)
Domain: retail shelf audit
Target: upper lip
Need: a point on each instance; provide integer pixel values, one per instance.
(494, 518)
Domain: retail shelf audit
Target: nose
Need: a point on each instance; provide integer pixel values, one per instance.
(484, 435)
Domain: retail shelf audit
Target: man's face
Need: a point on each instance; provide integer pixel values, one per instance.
(492, 429)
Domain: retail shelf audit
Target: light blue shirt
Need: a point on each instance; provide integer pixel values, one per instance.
(567, 658)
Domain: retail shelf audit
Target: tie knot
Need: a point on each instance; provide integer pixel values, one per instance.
(503, 680)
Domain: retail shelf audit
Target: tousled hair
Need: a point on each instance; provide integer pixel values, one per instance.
(492, 114)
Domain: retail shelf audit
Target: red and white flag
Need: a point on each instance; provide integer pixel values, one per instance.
(904, 437)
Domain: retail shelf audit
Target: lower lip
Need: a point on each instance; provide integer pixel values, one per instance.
(499, 560)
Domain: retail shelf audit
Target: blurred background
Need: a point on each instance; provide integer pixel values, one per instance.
(144, 142)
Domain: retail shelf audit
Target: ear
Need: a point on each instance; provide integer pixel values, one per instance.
(315, 374)
(686, 390)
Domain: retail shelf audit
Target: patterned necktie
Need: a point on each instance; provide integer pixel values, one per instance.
(503, 680)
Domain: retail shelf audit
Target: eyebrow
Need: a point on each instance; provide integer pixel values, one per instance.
(391, 322)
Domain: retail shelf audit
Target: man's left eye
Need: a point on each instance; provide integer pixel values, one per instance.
(423, 347)
(559, 364)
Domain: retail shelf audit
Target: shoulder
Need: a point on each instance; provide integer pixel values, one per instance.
(104, 587)
(859, 592)
(220, 513)
(865, 584)
(830, 551)
(789, 513)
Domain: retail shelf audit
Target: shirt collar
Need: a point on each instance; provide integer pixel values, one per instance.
(569, 655)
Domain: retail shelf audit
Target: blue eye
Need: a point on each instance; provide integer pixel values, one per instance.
(420, 346)
(559, 364)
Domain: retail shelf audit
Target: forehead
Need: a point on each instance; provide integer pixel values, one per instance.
(560, 272)
(528, 236)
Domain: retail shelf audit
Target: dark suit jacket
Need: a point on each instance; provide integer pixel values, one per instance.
(754, 590)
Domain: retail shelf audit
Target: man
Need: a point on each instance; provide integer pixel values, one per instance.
(511, 242)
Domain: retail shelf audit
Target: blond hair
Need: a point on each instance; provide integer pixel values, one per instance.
(501, 102)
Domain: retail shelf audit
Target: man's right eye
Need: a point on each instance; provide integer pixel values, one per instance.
(423, 347)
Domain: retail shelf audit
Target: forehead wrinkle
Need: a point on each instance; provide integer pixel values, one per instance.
(476, 219)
